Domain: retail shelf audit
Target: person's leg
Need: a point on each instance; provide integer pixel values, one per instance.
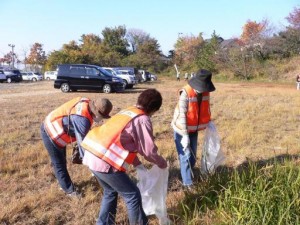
(185, 168)
(193, 144)
(121, 183)
(108, 209)
(59, 163)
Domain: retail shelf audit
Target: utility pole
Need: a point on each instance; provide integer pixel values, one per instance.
(13, 54)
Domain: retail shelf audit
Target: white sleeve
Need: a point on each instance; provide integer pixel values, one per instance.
(183, 106)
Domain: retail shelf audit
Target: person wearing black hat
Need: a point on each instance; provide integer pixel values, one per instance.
(191, 115)
(70, 123)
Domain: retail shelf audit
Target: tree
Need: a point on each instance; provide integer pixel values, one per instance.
(294, 18)
(2, 60)
(136, 37)
(187, 48)
(91, 47)
(90, 42)
(55, 58)
(9, 57)
(253, 32)
(289, 42)
(206, 56)
(37, 57)
(114, 38)
(70, 53)
(148, 56)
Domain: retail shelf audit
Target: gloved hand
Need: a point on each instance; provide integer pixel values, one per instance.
(186, 154)
(185, 141)
(187, 151)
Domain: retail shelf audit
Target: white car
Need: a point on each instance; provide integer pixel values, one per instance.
(50, 75)
(129, 79)
(31, 76)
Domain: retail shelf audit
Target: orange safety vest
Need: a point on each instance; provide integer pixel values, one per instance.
(54, 121)
(104, 141)
(198, 115)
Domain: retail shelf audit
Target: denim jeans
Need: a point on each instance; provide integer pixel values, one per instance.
(187, 162)
(114, 183)
(58, 161)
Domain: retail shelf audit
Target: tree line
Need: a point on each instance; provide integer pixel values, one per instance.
(251, 55)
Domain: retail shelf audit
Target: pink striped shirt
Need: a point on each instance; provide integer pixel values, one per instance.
(137, 136)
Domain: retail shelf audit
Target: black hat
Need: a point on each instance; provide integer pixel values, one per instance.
(201, 82)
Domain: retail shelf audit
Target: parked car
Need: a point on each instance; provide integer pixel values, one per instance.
(2, 76)
(50, 75)
(31, 76)
(73, 77)
(12, 75)
(132, 70)
(125, 75)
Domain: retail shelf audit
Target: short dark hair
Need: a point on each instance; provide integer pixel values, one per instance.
(149, 100)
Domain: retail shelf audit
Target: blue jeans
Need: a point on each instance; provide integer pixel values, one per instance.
(114, 183)
(58, 161)
(187, 162)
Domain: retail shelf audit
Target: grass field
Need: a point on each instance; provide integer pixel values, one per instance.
(259, 126)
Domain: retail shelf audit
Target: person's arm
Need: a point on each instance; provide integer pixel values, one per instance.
(81, 127)
(183, 106)
(143, 137)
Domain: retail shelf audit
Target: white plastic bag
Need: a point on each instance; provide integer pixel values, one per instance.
(212, 155)
(153, 186)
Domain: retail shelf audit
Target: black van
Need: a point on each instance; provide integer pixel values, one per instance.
(73, 77)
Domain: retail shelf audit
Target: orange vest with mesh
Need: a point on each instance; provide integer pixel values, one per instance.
(54, 121)
(104, 141)
(198, 114)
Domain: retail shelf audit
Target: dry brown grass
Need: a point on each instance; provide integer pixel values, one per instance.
(256, 121)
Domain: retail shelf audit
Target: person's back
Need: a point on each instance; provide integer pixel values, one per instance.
(298, 81)
(65, 125)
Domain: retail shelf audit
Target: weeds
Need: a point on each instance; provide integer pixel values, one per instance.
(257, 123)
(251, 194)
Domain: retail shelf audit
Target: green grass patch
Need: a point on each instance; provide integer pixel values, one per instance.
(255, 193)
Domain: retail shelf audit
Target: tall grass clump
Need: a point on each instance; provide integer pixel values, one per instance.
(266, 195)
(251, 194)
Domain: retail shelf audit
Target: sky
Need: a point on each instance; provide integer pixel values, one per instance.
(56, 22)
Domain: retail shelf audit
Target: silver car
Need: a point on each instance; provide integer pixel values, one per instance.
(31, 76)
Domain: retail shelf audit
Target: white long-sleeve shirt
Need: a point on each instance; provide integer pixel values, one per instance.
(179, 117)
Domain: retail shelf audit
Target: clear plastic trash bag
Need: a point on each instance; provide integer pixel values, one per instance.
(153, 186)
(212, 155)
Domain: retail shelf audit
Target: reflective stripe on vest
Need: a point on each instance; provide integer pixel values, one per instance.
(54, 125)
(104, 141)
